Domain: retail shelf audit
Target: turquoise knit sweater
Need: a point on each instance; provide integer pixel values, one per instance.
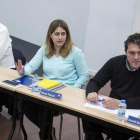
(71, 70)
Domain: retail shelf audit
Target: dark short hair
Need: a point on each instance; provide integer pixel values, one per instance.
(132, 39)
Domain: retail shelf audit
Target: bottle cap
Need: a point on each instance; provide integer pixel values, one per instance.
(35, 75)
(122, 101)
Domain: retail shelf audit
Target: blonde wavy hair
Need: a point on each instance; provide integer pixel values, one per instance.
(66, 48)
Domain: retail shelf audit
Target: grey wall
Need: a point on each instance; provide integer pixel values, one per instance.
(98, 27)
(29, 19)
(136, 23)
(109, 24)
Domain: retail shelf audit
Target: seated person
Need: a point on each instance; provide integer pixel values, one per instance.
(62, 61)
(6, 54)
(6, 60)
(124, 73)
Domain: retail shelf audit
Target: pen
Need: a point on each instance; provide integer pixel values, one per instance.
(98, 100)
(23, 67)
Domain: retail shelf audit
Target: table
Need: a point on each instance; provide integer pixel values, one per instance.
(72, 103)
(9, 74)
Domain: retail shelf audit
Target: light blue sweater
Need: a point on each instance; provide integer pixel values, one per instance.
(71, 70)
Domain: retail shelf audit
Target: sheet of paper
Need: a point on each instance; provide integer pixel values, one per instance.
(132, 112)
(100, 106)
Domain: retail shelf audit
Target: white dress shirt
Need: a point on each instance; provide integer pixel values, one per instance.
(6, 54)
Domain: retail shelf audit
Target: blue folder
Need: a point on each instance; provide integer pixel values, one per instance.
(25, 80)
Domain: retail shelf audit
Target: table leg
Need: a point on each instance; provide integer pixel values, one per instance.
(79, 132)
(47, 121)
(21, 121)
(14, 117)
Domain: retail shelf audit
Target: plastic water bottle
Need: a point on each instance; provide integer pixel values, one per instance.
(35, 84)
(121, 111)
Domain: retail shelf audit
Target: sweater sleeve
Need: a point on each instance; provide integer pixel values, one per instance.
(100, 79)
(35, 61)
(133, 103)
(81, 68)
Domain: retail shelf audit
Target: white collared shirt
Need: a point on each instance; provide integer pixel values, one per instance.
(6, 54)
(128, 67)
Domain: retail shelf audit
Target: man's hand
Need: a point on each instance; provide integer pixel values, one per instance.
(111, 103)
(93, 97)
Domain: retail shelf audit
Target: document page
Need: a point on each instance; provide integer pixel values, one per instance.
(100, 106)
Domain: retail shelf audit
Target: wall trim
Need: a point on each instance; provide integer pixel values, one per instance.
(92, 72)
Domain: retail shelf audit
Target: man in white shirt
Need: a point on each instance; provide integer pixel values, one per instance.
(6, 60)
(6, 54)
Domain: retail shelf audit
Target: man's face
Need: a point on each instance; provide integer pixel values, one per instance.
(133, 56)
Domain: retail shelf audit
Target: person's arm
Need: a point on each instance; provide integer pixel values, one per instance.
(81, 68)
(98, 81)
(32, 65)
(35, 61)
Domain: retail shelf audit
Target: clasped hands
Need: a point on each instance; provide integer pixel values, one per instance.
(109, 103)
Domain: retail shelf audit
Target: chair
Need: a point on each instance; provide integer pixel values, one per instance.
(105, 131)
(133, 138)
(108, 133)
(60, 129)
(104, 90)
(78, 121)
(18, 55)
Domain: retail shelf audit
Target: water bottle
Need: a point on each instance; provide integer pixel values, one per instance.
(121, 111)
(35, 84)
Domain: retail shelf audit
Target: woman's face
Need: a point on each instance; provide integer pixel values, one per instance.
(58, 37)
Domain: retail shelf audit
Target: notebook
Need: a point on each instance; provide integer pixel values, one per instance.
(57, 87)
(47, 83)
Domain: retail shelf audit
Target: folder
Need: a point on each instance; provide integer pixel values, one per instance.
(25, 80)
(47, 83)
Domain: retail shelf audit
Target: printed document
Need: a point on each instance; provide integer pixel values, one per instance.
(100, 106)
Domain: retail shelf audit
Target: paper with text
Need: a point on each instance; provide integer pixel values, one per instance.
(100, 106)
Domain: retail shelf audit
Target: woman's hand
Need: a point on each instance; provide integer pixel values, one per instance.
(20, 67)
